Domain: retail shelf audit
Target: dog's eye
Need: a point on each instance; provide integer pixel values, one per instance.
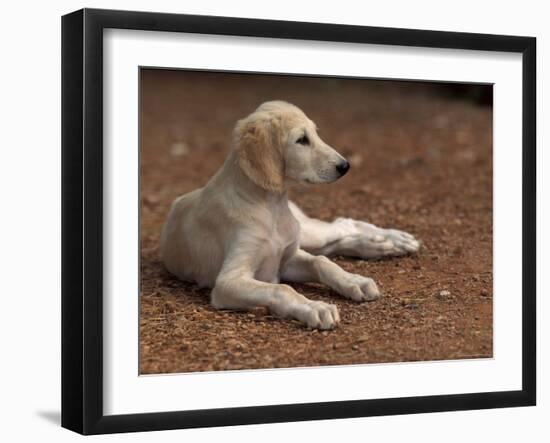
(303, 140)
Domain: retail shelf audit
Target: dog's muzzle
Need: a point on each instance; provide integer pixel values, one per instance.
(343, 167)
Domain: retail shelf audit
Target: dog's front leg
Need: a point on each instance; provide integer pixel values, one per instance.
(304, 267)
(237, 289)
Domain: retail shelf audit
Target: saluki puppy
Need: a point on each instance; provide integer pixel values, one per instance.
(241, 236)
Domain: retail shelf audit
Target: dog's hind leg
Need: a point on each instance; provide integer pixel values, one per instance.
(352, 238)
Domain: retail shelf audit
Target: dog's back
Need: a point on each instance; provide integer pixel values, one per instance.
(189, 242)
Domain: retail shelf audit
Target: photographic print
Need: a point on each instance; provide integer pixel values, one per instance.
(299, 221)
(253, 209)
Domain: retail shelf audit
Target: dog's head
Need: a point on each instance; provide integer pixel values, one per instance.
(278, 145)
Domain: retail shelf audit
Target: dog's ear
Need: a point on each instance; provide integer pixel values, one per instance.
(258, 145)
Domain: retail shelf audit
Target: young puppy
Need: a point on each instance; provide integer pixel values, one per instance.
(241, 236)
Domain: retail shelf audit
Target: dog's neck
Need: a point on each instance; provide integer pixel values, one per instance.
(232, 177)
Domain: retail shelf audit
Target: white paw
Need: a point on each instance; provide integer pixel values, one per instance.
(359, 288)
(374, 242)
(319, 315)
(399, 242)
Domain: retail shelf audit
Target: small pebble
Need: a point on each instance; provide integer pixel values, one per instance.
(356, 159)
(179, 149)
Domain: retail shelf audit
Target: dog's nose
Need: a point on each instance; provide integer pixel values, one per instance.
(342, 168)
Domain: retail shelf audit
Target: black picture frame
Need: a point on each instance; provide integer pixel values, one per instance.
(82, 220)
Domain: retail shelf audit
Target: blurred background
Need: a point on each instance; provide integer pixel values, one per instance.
(421, 156)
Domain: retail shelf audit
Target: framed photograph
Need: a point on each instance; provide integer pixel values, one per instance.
(269, 221)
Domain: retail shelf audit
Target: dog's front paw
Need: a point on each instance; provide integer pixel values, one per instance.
(359, 288)
(319, 315)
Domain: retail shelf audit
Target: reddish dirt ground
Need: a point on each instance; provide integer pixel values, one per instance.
(421, 162)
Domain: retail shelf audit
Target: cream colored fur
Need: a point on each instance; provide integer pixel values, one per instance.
(240, 236)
